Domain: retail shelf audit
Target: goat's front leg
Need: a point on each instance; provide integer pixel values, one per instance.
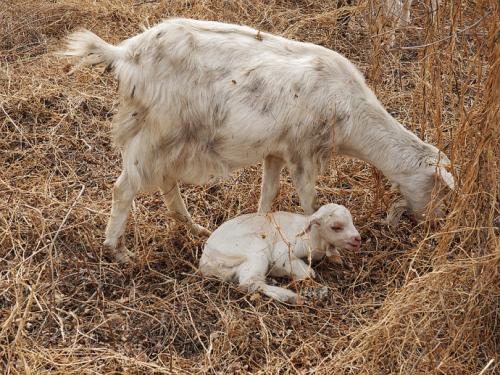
(252, 277)
(270, 182)
(123, 195)
(304, 178)
(175, 203)
(299, 270)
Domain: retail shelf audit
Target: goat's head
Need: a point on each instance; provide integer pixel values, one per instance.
(333, 224)
(426, 185)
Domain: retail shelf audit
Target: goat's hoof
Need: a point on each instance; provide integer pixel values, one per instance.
(200, 230)
(119, 254)
(298, 301)
(335, 259)
(124, 256)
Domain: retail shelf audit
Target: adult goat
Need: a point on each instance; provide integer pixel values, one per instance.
(200, 99)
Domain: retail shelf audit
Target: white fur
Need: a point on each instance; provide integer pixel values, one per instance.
(201, 99)
(249, 247)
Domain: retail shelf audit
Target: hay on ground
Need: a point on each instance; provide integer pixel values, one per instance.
(418, 300)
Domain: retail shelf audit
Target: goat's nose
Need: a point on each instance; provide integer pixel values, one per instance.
(356, 239)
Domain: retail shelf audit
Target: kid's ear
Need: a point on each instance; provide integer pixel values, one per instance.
(312, 222)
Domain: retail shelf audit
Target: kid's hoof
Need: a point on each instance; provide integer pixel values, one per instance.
(200, 230)
(298, 301)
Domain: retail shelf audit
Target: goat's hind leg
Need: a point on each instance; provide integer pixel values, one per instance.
(252, 277)
(123, 195)
(304, 179)
(175, 203)
(270, 182)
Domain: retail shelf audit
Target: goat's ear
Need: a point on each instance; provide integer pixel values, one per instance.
(312, 222)
(445, 177)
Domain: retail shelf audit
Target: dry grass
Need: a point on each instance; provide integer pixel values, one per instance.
(418, 299)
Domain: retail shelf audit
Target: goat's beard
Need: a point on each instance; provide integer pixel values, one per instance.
(396, 210)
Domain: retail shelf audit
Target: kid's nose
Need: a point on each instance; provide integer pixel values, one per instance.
(355, 241)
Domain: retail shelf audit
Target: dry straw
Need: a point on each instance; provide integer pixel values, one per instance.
(418, 300)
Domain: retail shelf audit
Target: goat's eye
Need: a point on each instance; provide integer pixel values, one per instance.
(336, 228)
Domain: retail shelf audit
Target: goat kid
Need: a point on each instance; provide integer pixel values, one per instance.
(250, 247)
(200, 99)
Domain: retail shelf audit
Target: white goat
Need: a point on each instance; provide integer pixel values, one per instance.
(200, 99)
(249, 247)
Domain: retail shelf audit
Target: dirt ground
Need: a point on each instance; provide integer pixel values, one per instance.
(418, 299)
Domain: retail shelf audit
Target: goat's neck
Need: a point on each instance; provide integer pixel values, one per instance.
(374, 136)
(310, 242)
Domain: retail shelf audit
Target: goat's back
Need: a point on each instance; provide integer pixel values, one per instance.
(205, 98)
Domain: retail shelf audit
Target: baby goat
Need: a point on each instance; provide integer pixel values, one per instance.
(201, 99)
(249, 247)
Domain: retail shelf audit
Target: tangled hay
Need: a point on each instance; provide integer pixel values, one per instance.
(419, 299)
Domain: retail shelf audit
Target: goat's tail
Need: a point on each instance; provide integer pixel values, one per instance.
(92, 49)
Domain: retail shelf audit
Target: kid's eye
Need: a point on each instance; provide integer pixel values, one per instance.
(336, 228)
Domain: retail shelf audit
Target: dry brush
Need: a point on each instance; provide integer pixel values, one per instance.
(419, 299)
